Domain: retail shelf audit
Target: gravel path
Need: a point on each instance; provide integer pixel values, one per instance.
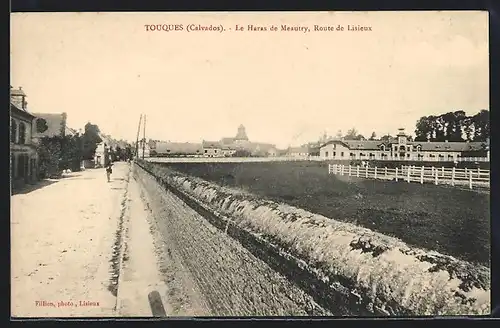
(62, 237)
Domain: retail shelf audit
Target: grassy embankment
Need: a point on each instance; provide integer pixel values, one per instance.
(447, 220)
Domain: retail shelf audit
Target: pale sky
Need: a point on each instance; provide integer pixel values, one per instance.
(286, 87)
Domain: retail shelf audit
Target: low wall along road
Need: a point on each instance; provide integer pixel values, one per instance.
(303, 263)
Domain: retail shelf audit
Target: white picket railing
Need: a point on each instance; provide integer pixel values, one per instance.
(454, 176)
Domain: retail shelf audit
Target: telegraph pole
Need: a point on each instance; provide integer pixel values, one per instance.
(144, 136)
(137, 139)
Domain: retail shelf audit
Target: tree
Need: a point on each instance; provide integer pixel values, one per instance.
(481, 122)
(242, 153)
(351, 134)
(41, 125)
(58, 153)
(91, 139)
(373, 136)
(453, 126)
(386, 138)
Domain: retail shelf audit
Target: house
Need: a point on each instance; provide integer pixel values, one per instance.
(212, 149)
(23, 155)
(399, 149)
(101, 155)
(167, 148)
(49, 125)
(298, 151)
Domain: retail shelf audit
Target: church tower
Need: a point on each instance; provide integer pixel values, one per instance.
(241, 135)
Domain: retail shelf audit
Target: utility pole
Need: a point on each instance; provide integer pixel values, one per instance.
(144, 136)
(137, 139)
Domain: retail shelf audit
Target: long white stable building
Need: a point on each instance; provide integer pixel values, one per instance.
(403, 149)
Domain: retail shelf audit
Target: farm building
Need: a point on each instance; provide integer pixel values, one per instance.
(212, 149)
(167, 148)
(298, 151)
(402, 149)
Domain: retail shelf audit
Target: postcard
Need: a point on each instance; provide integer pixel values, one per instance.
(214, 164)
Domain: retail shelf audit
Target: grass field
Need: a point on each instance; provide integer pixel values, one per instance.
(448, 220)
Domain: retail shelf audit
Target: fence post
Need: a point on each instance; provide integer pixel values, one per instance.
(408, 174)
(478, 172)
(385, 173)
(442, 171)
(470, 179)
(357, 171)
(436, 177)
(453, 176)
(422, 175)
(396, 174)
(349, 169)
(366, 171)
(375, 172)
(341, 169)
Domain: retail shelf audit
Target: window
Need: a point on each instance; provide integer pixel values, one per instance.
(13, 130)
(326, 154)
(419, 148)
(342, 154)
(22, 133)
(206, 151)
(408, 155)
(168, 150)
(334, 153)
(361, 154)
(382, 147)
(215, 151)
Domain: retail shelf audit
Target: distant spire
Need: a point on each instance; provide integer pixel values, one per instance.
(241, 135)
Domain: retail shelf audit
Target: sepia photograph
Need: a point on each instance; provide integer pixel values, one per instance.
(249, 164)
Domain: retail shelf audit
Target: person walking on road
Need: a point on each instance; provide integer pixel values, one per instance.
(109, 170)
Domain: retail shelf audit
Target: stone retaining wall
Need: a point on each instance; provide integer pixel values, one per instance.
(346, 269)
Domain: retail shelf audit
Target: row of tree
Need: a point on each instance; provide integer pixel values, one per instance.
(454, 126)
(353, 134)
(451, 126)
(57, 153)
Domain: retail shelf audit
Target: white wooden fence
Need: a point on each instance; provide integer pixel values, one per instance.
(456, 177)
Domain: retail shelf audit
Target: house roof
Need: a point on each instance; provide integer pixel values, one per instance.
(363, 144)
(56, 124)
(298, 150)
(259, 146)
(17, 92)
(178, 147)
(211, 144)
(448, 146)
(70, 131)
(16, 108)
(227, 140)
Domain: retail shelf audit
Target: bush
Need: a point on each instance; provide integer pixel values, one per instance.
(58, 153)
